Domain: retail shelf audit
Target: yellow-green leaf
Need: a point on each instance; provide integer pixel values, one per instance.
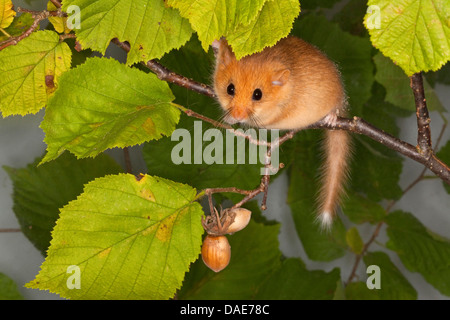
(59, 23)
(124, 237)
(415, 34)
(7, 13)
(354, 240)
(103, 104)
(272, 23)
(30, 72)
(214, 19)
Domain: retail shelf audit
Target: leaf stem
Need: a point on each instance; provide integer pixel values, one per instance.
(5, 33)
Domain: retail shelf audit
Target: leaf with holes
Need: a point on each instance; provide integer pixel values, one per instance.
(104, 104)
(149, 26)
(30, 72)
(131, 238)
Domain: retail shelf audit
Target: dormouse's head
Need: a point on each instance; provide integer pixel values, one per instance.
(250, 89)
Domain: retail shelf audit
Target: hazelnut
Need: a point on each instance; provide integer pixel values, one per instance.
(216, 252)
(241, 219)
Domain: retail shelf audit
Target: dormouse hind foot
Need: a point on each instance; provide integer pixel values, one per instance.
(331, 118)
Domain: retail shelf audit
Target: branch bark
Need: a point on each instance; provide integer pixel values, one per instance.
(421, 154)
(423, 119)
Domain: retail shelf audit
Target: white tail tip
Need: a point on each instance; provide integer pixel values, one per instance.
(326, 220)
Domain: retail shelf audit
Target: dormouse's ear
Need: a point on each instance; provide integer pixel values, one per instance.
(280, 77)
(223, 52)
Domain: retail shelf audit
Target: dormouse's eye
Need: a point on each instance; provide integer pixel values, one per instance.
(257, 94)
(230, 89)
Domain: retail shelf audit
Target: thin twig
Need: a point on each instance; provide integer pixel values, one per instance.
(10, 230)
(57, 3)
(166, 75)
(126, 155)
(423, 119)
(62, 37)
(38, 16)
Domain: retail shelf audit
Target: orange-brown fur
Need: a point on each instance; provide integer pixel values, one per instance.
(299, 86)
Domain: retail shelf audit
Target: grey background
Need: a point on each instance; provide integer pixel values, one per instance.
(21, 141)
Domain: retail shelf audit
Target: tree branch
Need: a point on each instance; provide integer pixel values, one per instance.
(38, 16)
(57, 3)
(166, 75)
(356, 125)
(423, 118)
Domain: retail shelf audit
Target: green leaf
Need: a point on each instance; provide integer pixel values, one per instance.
(354, 240)
(314, 4)
(397, 84)
(414, 34)
(272, 23)
(254, 256)
(444, 155)
(442, 76)
(104, 104)
(18, 26)
(292, 281)
(39, 191)
(8, 289)
(394, 286)
(361, 209)
(350, 16)
(30, 72)
(359, 291)
(151, 28)
(131, 238)
(419, 250)
(59, 23)
(319, 244)
(214, 19)
(352, 55)
(339, 293)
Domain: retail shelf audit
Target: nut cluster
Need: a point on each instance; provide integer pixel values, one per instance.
(216, 250)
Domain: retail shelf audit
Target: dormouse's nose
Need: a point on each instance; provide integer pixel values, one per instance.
(239, 114)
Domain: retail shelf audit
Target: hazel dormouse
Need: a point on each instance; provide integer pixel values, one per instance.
(288, 86)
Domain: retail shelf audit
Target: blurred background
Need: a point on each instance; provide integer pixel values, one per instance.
(21, 141)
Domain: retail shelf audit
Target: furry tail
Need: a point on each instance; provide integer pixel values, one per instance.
(335, 173)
